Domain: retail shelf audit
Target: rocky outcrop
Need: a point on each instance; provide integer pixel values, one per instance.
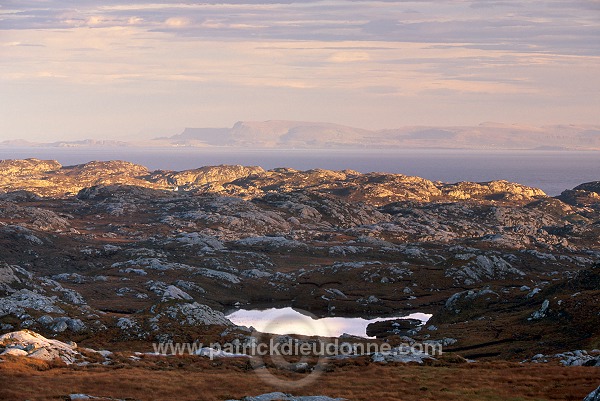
(20, 302)
(194, 314)
(30, 344)
(373, 188)
(49, 178)
(81, 396)
(190, 314)
(34, 217)
(593, 396)
(483, 268)
(386, 328)
(109, 169)
(20, 196)
(493, 190)
(27, 168)
(569, 358)
(593, 186)
(122, 193)
(278, 396)
(466, 304)
(9, 275)
(587, 194)
(378, 188)
(401, 354)
(214, 175)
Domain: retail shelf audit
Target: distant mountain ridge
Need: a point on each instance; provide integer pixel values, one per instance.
(299, 134)
(65, 144)
(317, 135)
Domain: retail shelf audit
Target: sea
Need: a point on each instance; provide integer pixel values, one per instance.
(551, 171)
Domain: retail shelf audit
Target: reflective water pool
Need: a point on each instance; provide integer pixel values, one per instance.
(293, 321)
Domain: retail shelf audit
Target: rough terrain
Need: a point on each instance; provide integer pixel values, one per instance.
(114, 256)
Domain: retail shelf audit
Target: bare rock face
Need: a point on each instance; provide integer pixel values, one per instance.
(204, 175)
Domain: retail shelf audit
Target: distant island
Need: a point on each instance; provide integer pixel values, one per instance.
(279, 134)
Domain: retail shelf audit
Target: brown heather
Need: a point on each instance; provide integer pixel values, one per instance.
(187, 378)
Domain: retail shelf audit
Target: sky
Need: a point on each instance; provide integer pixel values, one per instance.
(108, 69)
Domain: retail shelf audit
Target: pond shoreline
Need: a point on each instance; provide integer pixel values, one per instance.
(290, 320)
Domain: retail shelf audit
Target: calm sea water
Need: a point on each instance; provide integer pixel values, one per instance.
(552, 171)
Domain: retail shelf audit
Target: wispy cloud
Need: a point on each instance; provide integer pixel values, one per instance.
(503, 60)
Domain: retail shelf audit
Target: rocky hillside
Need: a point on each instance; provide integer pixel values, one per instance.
(47, 178)
(109, 252)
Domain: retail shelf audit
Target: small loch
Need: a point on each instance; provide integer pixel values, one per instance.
(293, 321)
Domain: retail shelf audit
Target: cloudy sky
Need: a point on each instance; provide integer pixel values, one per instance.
(118, 69)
